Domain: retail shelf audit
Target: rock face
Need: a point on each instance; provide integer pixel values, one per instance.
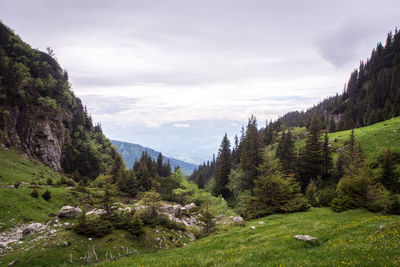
(305, 237)
(69, 212)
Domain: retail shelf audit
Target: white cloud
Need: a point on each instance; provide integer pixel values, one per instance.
(181, 125)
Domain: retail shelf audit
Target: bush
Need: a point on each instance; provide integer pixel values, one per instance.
(394, 204)
(207, 218)
(342, 203)
(96, 227)
(275, 194)
(311, 194)
(35, 193)
(326, 195)
(49, 181)
(46, 195)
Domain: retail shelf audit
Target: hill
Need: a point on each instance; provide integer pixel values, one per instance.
(132, 152)
(41, 117)
(371, 95)
(350, 238)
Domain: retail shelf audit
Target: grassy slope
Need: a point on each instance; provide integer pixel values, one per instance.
(16, 204)
(348, 238)
(374, 139)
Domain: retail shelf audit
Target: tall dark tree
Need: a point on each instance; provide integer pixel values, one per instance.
(327, 156)
(286, 153)
(160, 164)
(223, 168)
(389, 178)
(250, 156)
(311, 163)
(118, 168)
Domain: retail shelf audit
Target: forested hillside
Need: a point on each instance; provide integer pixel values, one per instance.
(133, 152)
(371, 95)
(41, 117)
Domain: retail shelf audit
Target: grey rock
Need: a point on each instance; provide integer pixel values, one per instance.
(305, 237)
(14, 262)
(69, 212)
(33, 227)
(253, 228)
(96, 212)
(190, 206)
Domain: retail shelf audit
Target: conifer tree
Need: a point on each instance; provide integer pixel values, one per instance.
(389, 177)
(160, 165)
(223, 168)
(327, 156)
(118, 168)
(250, 156)
(311, 164)
(286, 153)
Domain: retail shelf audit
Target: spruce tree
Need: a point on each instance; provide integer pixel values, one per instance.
(286, 153)
(160, 164)
(327, 156)
(311, 164)
(250, 156)
(223, 168)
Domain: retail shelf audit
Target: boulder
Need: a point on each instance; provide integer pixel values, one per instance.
(33, 227)
(305, 237)
(69, 212)
(96, 212)
(236, 219)
(253, 228)
(190, 206)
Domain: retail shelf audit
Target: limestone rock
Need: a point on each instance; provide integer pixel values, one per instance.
(33, 227)
(69, 212)
(96, 212)
(305, 237)
(190, 206)
(253, 228)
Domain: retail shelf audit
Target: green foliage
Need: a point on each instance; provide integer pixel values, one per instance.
(49, 181)
(94, 227)
(276, 194)
(46, 195)
(207, 218)
(311, 194)
(48, 103)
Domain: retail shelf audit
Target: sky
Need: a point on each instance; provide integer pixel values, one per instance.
(175, 75)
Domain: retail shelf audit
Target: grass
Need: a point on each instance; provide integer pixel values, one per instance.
(16, 168)
(355, 238)
(374, 139)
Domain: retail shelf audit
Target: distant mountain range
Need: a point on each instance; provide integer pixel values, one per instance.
(132, 152)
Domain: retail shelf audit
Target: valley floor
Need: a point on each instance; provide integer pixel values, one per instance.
(351, 238)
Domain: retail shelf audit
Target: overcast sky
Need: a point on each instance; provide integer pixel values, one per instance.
(142, 67)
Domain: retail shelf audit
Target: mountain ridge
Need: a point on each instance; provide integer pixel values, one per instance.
(131, 152)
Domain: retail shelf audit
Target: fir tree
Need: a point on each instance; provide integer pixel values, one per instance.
(286, 153)
(311, 164)
(327, 156)
(223, 168)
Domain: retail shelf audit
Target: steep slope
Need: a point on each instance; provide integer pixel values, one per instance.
(371, 95)
(41, 117)
(132, 152)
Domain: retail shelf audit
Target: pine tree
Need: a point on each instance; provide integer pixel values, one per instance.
(286, 153)
(250, 156)
(327, 155)
(389, 177)
(311, 164)
(160, 165)
(223, 168)
(118, 167)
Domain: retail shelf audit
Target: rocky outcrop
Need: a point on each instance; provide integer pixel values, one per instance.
(69, 212)
(38, 137)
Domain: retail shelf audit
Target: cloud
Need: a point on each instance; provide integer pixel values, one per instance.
(351, 40)
(182, 125)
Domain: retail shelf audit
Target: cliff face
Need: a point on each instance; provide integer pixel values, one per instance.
(41, 117)
(39, 138)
